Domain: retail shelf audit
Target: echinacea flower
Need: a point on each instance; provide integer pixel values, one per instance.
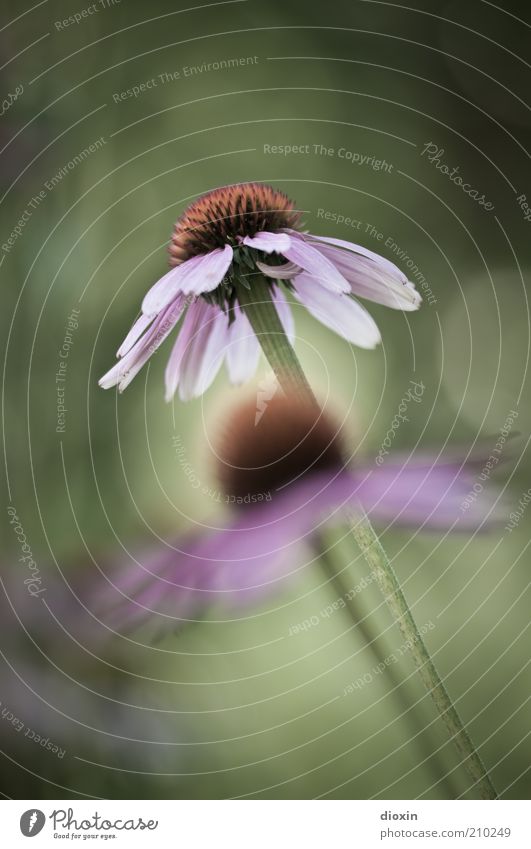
(219, 245)
(286, 479)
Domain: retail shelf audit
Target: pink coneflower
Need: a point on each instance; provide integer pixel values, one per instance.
(225, 240)
(286, 479)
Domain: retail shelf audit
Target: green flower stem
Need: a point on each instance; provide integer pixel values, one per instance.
(388, 583)
(258, 306)
(374, 641)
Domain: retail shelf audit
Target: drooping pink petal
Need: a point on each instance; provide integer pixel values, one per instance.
(113, 376)
(268, 242)
(128, 367)
(205, 351)
(436, 494)
(199, 274)
(356, 249)
(373, 279)
(315, 263)
(209, 272)
(151, 341)
(280, 272)
(243, 349)
(284, 313)
(165, 289)
(184, 338)
(341, 313)
(138, 328)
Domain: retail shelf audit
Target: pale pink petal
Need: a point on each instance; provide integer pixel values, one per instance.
(243, 349)
(209, 272)
(204, 353)
(341, 313)
(165, 289)
(357, 249)
(284, 313)
(112, 377)
(138, 328)
(188, 329)
(128, 367)
(166, 321)
(280, 272)
(268, 242)
(315, 263)
(199, 274)
(372, 279)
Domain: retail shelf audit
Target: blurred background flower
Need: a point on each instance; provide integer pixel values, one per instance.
(288, 478)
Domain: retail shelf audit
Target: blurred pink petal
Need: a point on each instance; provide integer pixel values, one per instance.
(267, 545)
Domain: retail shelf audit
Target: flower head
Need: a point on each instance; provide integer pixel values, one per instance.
(226, 216)
(221, 242)
(286, 478)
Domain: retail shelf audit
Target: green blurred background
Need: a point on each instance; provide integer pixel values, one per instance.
(240, 708)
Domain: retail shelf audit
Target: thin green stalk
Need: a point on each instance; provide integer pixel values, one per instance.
(260, 309)
(389, 585)
(258, 306)
(374, 641)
